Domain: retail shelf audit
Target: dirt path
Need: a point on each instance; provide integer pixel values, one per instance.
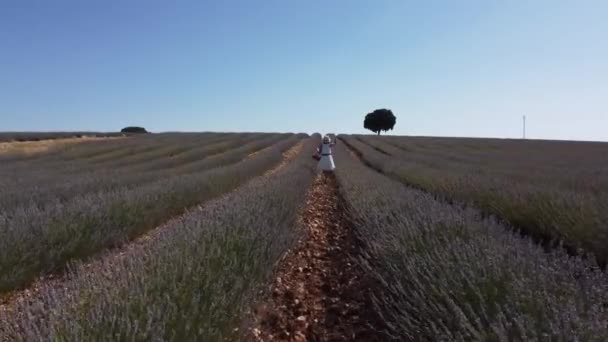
(318, 293)
(8, 300)
(288, 156)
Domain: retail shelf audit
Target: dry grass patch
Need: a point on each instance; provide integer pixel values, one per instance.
(41, 146)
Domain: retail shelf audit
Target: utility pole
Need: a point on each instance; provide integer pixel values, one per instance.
(524, 127)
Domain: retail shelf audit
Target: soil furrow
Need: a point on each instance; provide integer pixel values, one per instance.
(318, 292)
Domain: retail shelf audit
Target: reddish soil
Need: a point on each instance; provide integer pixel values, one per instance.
(288, 156)
(318, 293)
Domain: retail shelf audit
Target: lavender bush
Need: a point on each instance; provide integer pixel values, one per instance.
(40, 238)
(189, 282)
(445, 273)
(39, 192)
(65, 163)
(93, 146)
(552, 191)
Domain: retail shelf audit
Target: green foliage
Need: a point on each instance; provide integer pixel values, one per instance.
(133, 129)
(380, 120)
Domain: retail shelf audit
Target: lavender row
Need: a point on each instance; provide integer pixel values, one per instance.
(549, 210)
(42, 193)
(443, 272)
(57, 151)
(42, 168)
(39, 240)
(35, 136)
(89, 156)
(580, 166)
(191, 281)
(178, 148)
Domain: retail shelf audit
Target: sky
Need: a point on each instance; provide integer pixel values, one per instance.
(445, 68)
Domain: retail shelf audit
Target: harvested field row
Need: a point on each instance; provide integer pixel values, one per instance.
(29, 148)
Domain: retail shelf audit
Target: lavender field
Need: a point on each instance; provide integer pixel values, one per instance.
(556, 192)
(35, 136)
(72, 203)
(177, 237)
(447, 272)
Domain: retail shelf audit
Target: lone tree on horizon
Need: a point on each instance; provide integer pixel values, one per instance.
(133, 129)
(380, 120)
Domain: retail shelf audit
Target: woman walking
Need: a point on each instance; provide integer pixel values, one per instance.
(326, 162)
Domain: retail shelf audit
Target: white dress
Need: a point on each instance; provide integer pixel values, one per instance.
(326, 163)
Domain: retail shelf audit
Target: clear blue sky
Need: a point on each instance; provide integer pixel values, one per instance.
(456, 68)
